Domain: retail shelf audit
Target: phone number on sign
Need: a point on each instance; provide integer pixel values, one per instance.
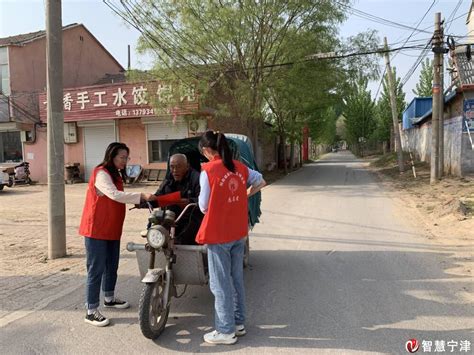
(135, 112)
(143, 111)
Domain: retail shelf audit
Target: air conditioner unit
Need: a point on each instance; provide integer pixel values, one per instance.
(197, 126)
(70, 132)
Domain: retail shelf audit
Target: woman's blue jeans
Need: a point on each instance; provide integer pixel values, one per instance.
(226, 278)
(102, 265)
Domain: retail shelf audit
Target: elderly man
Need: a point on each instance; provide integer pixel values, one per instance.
(185, 180)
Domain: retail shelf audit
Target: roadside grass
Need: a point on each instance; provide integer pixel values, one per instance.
(451, 194)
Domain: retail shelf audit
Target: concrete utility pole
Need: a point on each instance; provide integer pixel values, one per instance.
(436, 100)
(393, 105)
(56, 200)
(441, 107)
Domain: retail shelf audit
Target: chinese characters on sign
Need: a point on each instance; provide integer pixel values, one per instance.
(126, 100)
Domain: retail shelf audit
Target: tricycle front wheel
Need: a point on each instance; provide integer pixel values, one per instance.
(152, 312)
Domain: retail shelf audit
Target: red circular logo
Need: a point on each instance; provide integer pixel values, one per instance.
(412, 346)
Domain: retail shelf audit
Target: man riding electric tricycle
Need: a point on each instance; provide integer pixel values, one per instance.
(167, 261)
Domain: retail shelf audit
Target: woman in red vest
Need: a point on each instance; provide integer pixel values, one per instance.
(101, 225)
(223, 200)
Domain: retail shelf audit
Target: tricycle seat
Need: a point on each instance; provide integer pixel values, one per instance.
(189, 268)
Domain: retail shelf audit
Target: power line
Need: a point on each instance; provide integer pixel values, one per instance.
(378, 19)
(426, 50)
(421, 57)
(456, 8)
(11, 102)
(422, 54)
(133, 21)
(419, 22)
(449, 22)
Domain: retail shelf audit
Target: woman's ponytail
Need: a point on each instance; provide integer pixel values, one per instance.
(224, 152)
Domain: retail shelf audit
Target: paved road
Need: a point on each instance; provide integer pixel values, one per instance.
(334, 269)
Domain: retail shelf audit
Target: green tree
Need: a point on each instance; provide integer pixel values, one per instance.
(328, 130)
(384, 111)
(303, 94)
(296, 95)
(425, 83)
(238, 43)
(359, 111)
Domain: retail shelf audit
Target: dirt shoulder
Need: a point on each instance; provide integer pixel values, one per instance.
(445, 210)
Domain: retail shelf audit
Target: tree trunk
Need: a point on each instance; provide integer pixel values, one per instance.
(392, 141)
(282, 154)
(301, 155)
(292, 155)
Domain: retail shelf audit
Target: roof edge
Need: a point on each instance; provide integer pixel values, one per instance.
(41, 34)
(422, 119)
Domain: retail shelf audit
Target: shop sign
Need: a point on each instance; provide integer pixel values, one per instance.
(468, 116)
(121, 101)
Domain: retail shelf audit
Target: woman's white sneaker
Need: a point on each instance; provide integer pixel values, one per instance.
(96, 319)
(215, 337)
(240, 330)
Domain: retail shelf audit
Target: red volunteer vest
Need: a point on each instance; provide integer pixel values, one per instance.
(102, 218)
(226, 219)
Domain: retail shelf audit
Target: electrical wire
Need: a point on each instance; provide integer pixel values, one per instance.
(20, 109)
(416, 28)
(421, 57)
(453, 13)
(378, 19)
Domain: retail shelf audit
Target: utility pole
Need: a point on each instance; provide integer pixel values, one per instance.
(55, 123)
(441, 107)
(434, 171)
(393, 105)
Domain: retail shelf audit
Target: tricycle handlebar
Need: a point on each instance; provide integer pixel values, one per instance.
(185, 209)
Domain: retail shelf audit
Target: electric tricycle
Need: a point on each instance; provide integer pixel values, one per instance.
(167, 268)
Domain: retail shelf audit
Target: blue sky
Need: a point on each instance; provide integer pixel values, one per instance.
(21, 16)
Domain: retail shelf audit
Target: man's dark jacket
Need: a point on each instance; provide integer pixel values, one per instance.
(189, 224)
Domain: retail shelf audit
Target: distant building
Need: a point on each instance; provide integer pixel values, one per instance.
(23, 76)
(100, 106)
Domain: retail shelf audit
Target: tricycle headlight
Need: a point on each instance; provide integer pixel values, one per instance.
(156, 237)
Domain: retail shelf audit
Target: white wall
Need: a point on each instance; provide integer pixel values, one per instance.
(418, 140)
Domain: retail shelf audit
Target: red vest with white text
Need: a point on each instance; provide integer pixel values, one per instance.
(102, 218)
(226, 219)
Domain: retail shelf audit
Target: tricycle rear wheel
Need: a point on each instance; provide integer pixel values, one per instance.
(152, 312)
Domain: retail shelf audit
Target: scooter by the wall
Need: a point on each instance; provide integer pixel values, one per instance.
(18, 174)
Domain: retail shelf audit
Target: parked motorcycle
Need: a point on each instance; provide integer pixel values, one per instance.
(18, 174)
